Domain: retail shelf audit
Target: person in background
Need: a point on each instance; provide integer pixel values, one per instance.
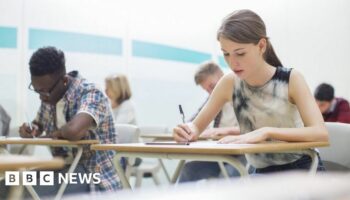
(119, 93)
(333, 109)
(5, 121)
(225, 123)
(73, 109)
(271, 102)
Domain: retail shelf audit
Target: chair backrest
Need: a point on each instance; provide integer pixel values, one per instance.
(154, 129)
(127, 133)
(338, 151)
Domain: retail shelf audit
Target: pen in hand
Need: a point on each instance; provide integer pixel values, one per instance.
(30, 125)
(182, 113)
(183, 117)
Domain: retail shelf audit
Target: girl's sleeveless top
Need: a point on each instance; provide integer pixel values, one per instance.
(266, 106)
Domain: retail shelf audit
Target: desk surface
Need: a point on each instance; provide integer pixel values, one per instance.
(15, 162)
(43, 141)
(165, 136)
(211, 147)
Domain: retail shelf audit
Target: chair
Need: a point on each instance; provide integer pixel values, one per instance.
(154, 129)
(336, 157)
(127, 133)
(130, 134)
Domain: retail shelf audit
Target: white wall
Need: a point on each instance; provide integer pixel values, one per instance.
(309, 35)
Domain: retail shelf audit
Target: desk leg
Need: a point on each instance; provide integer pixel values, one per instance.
(314, 163)
(121, 173)
(179, 167)
(23, 147)
(16, 192)
(243, 171)
(213, 158)
(3, 151)
(223, 169)
(164, 169)
(70, 170)
(182, 157)
(32, 192)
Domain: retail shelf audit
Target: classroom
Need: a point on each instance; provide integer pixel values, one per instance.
(126, 99)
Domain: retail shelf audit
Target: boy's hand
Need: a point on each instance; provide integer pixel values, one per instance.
(26, 132)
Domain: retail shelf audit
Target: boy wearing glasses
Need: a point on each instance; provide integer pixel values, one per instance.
(73, 109)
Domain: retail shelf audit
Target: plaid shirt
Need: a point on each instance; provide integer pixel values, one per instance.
(83, 97)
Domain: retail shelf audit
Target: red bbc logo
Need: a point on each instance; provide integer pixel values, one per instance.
(28, 178)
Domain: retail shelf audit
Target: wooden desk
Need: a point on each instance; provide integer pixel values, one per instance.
(45, 141)
(207, 151)
(165, 137)
(155, 137)
(20, 163)
(53, 142)
(16, 162)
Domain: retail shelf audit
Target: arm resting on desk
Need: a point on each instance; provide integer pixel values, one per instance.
(77, 128)
(220, 132)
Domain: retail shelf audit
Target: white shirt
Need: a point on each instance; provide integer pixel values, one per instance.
(125, 113)
(60, 118)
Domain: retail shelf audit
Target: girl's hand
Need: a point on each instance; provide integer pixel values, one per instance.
(185, 133)
(253, 137)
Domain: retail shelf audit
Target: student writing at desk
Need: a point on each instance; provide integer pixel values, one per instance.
(224, 123)
(271, 102)
(73, 109)
(333, 109)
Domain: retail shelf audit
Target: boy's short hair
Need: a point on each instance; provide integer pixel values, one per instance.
(47, 60)
(206, 69)
(324, 92)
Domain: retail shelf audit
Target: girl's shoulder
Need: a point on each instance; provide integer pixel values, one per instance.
(295, 76)
(229, 78)
(225, 86)
(297, 85)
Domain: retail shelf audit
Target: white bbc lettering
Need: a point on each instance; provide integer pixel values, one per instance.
(11, 178)
(73, 178)
(96, 177)
(29, 178)
(85, 178)
(46, 178)
(63, 178)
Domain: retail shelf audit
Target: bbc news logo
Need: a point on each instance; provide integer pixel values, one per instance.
(13, 178)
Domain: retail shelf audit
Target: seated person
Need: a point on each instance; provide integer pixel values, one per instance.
(271, 102)
(73, 109)
(119, 92)
(5, 120)
(333, 109)
(225, 123)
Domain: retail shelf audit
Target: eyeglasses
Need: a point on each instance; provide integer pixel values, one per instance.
(48, 93)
